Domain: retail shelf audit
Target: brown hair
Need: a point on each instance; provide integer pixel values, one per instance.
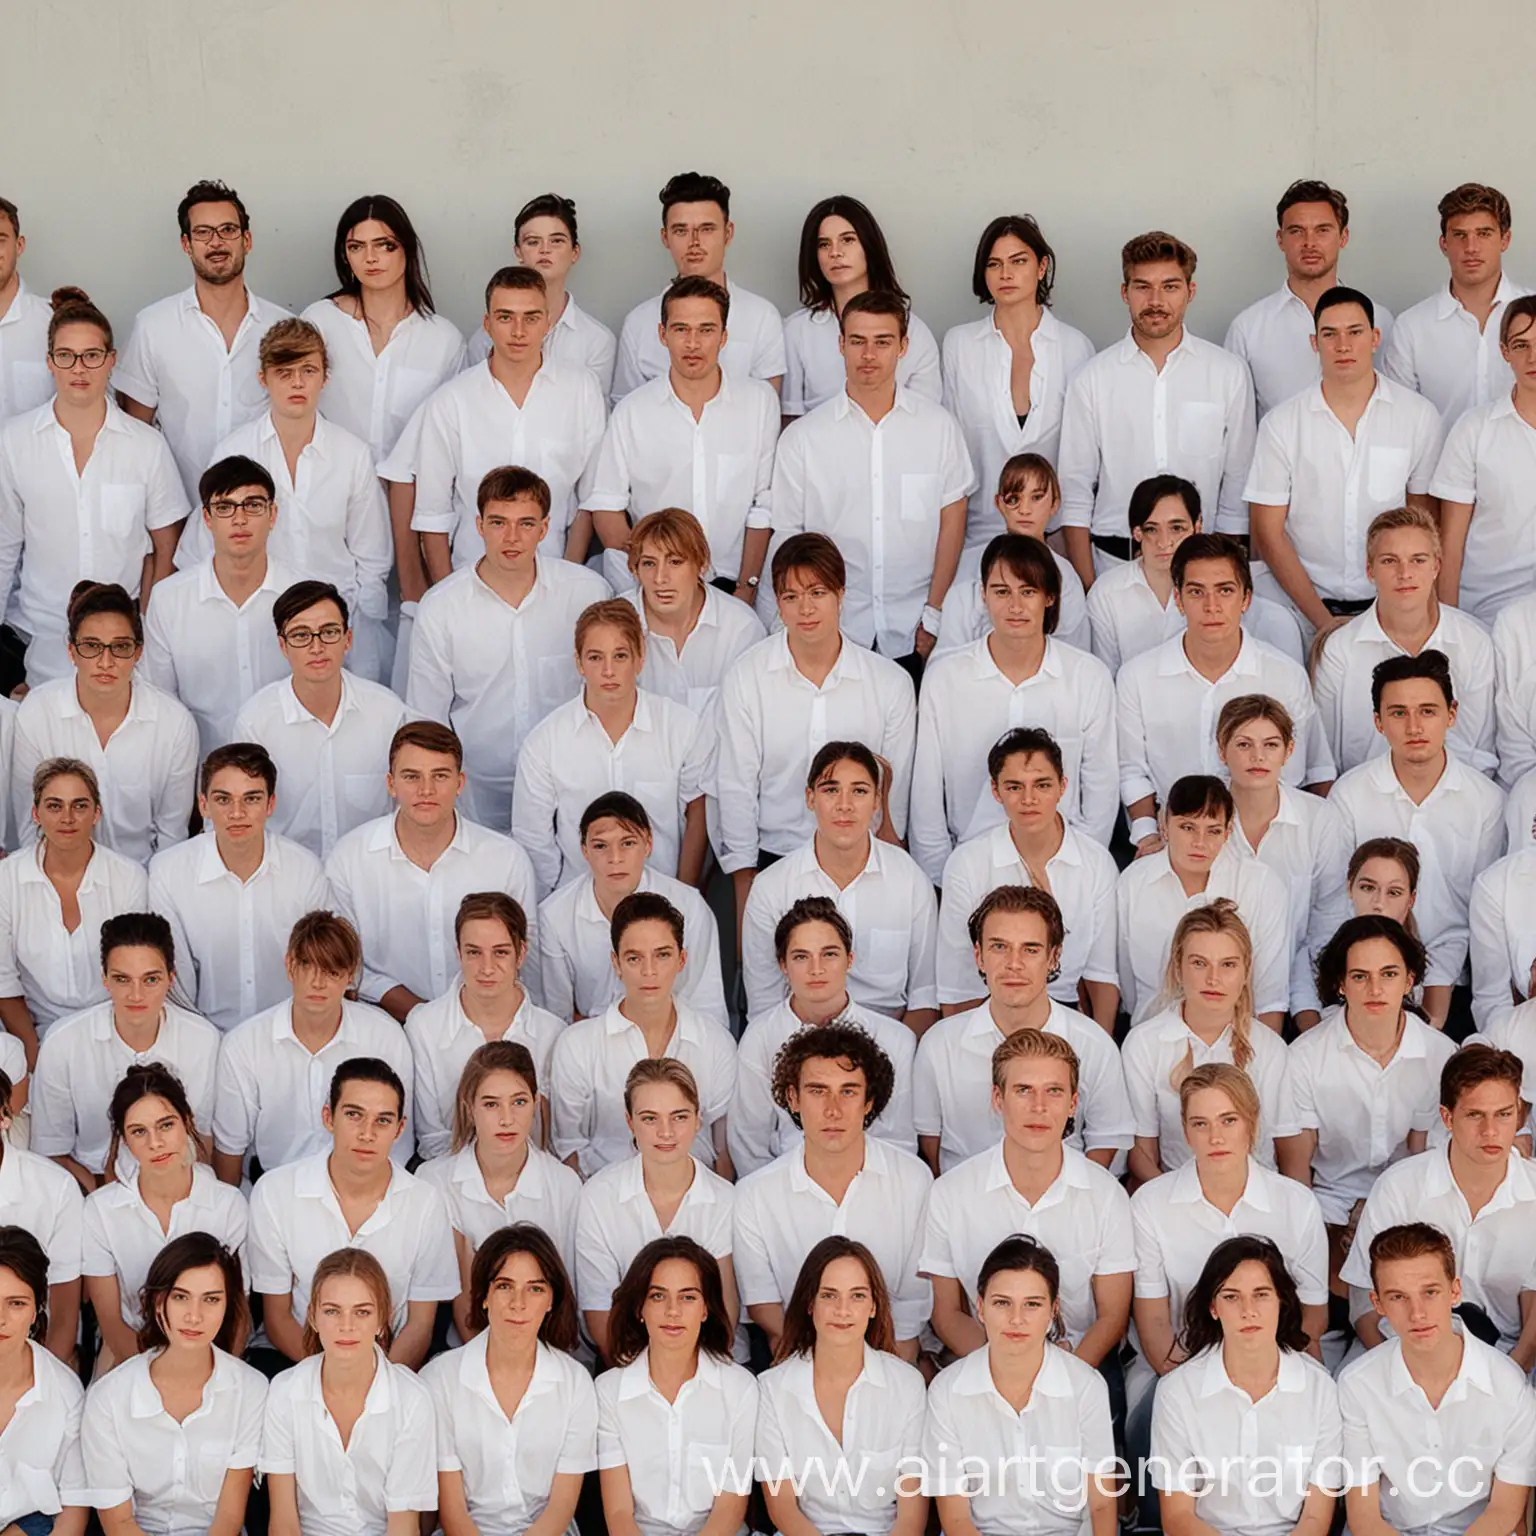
(1523, 308)
(839, 1043)
(1156, 245)
(72, 306)
(510, 482)
(290, 341)
(192, 1250)
(492, 907)
(1474, 197)
(352, 1264)
(559, 1329)
(516, 280)
(1232, 1081)
(626, 1332)
(61, 768)
(1017, 899)
(1025, 469)
(150, 1080)
(1474, 1065)
(1032, 1045)
(1248, 707)
(617, 614)
(1218, 916)
(1309, 191)
(799, 1333)
(1404, 517)
(327, 942)
(660, 1069)
(694, 286)
(1412, 1240)
(430, 736)
(1396, 848)
(493, 1056)
(813, 553)
(873, 302)
(673, 531)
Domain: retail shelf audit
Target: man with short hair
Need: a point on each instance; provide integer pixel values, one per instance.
(696, 228)
(1160, 401)
(233, 895)
(191, 361)
(25, 382)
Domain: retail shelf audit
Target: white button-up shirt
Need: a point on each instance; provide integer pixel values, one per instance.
(546, 1193)
(1437, 349)
(773, 720)
(978, 392)
(1503, 942)
(1082, 876)
(41, 1468)
(576, 949)
(725, 629)
(814, 367)
(232, 934)
(1458, 830)
(405, 913)
(37, 1195)
(388, 1465)
(200, 387)
(754, 343)
(655, 455)
(952, 1089)
(493, 671)
(371, 394)
(330, 778)
(964, 616)
(968, 704)
(1514, 664)
(890, 907)
(74, 525)
(57, 971)
(876, 489)
(1335, 481)
(1362, 1110)
(1166, 714)
(1124, 420)
(1084, 1218)
(574, 338)
(25, 382)
(270, 1087)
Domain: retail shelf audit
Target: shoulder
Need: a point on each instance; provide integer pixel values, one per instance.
(965, 337)
(647, 314)
(164, 314)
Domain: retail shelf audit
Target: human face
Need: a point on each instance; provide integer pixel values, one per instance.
(1162, 533)
(318, 661)
(810, 609)
(18, 1306)
(1212, 599)
(693, 334)
(1013, 272)
(1195, 840)
(1403, 565)
(1015, 957)
(1029, 789)
(1417, 1297)
(1519, 351)
(1217, 1134)
(1310, 239)
(105, 673)
(73, 381)
(616, 853)
(844, 802)
(840, 255)
(1256, 754)
(844, 1304)
(1016, 1311)
(346, 1316)
(293, 389)
(1484, 1123)
(137, 980)
(245, 530)
(544, 243)
(156, 1135)
(1028, 508)
(512, 532)
(67, 812)
(668, 579)
(365, 1124)
(1415, 718)
(193, 1310)
(815, 964)
(1247, 1305)
(1474, 246)
(832, 1099)
(872, 346)
(609, 665)
(1016, 606)
(317, 993)
(11, 247)
(519, 1300)
(503, 1112)
(1376, 981)
(217, 245)
(1212, 973)
(1157, 295)
(1345, 343)
(649, 961)
(237, 804)
(696, 235)
(1035, 1102)
(517, 321)
(673, 1311)
(1382, 887)
(375, 255)
(425, 785)
(489, 958)
(663, 1123)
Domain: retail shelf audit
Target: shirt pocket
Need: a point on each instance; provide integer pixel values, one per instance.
(704, 1472)
(872, 1477)
(883, 955)
(1387, 475)
(659, 797)
(920, 498)
(1201, 426)
(122, 509)
(731, 488)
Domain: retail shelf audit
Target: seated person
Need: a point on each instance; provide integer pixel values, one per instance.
(1501, 940)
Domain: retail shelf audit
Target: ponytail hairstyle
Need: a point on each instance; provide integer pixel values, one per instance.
(145, 1080)
(1218, 916)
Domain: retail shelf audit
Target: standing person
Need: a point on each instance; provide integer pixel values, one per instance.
(1006, 376)
(24, 315)
(1160, 401)
(190, 365)
(86, 492)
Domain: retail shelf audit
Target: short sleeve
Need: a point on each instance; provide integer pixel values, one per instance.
(246, 1450)
(1151, 1274)
(610, 1435)
(439, 1378)
(410, 1485)
(1455, 476)
(271, 1271)
(107, 1472)
(578, 1450)
(435, 1272)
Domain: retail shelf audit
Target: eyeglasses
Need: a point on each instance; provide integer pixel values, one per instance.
(252, 506)
(92, 357)
(204, 233)
(122, 650)
(327, 634)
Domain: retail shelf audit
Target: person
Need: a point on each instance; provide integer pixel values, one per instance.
(86, 492)
(190, 365)
(1383, 878)
(1501, 946)
(42, 1474)
(1016, 937)
(1017, 675)
(813, 942)
(494, 1174)
(498, 1468)
(24, 316)
(696, 229)
(1247, 1398)
(327, 729)
(662, 1191)
(1274, 335)
(1160, 401)
(170, 1438)
(400, 879)
(613, 735)
(54, 898)
(880, 886)
(1476, 1188)
(1038, 846)
(1433, 1396)
(1514, 670)
(167, 1192)
(884, 471)
(774, 706)
(692, 439)
(1006, 375)
(1402, 559)
(141, 741)
(373, 1479)
(1195, 866)
(675, 1415)
(275, 1069)
(486, 1003)
(840, 1403)
(1297, 835)
(1443, 346)
(833, 1081)
(1327, 461)
(85, 1055)
(576, 948)
(592, 1058)
(1032, 1422)
(1032, 1184)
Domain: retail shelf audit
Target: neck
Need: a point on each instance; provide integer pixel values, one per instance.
(16, 1365)
(1478, 297)
(67, 860)
(321, 698)
(836, 1359)
(194, 1364)
(1193, 880)
(353, 1371)
(1351, 393)
(516, 374)
(1030, 1014)
(241, 574)
(875, 401)
(842, 864)
(1212, 656)
(696, 392)
(1410, 621)
(79, 415)
(842, 292)
(295, 431)
(1159, 349)
(819, 1013)
(242, 858)
(497, 1011)
(1418, 779)
(1310, 289)
(1208, 1022)
(651, 1015)
(1475, 1176)
(1436, 1362)
(384, 305)
(317, 1025)
(1254, 1360)
(365, 1182)
(1159, 579)
(174, 1180)
(1225, 1177)
(1019, 319)
(1257, 804)
(1017, 656)
(427, 843)
(222, 301)
(8, 291)
(510, 1354)
(1041, 843)
(510, 585)
(1032, 1168)
(1374, 1031)
(815, 657)
(608, 898)
(140, 1035)
(1017, 1367)
(615, 712)
(824, 1165)
(111, 701)
(671, 1366)
(497, 1165)
(677, 624)
(667, 1179)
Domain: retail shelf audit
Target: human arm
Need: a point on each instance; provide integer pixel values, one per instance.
(953, 1320)
(411, 1343)
(105, 1297)
(1272, 544)
(1146, 1159)
(17, 1020)
(63, 1318)
(946, 560)
(410, 568)
(695, 843)
(1154, 1327)
(1294, 1154)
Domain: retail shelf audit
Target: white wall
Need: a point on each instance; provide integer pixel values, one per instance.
(1102, 117)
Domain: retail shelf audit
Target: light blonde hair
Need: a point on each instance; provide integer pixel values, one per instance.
(661, 1069)
(1232, 1081)
(1401, 517)
(1035, 1045)
(351, 1264)
(1221, 917)
(494, 1056)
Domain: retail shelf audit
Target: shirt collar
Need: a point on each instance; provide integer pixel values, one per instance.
(690, 1027)
(1173, 660)
(1213, 1377)
(1074, 1174)
(211, 867)
(983, 665)
(849, 667)
(384, 836)
(1472, 1372)
(1447, 304)
(877, 1163)
(635, 1380)
(144, 1401)
(294, 713)
(475, 1376)
(843, 405)
(973, 1378)
(1186, 1187)
(312, 1179)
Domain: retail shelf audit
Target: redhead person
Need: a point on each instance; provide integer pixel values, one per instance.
(1209, 1017)
(166, 1193)
(516, 1415)
(1018, 1439)
(171, 1437)
(839, 1413)
(676, 1418)
(348, 1446)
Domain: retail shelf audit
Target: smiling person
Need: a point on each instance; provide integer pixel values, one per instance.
(24, 315)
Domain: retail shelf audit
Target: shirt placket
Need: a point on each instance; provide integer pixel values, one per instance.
(84, 523)
(300, 525)
(699, 471)
(1160, 408)
(877, 526)
(330, 828)
(677, 1513)
(437, 964)
(378, 408)
(224, 392)
(244, 903)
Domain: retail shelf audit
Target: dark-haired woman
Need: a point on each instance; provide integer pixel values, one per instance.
(516, 1415)
(85, 490)
(171, 1437)
(675, 1417)
(1247, 1399)
(141, 742)
(843, 252)
(839, 1412)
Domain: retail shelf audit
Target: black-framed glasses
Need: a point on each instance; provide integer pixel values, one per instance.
(92, 357)
(252, 506)
(122, 650)
(328, 634)
(204, 233)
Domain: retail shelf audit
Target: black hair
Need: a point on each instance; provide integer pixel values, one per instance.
(1152, 490)
(248, 757)
(1333, 958)
(811, 909)
(1339, 294)
(1432, 665)
(1200, 794)
(1030, 561)
(208, 192)
(835, 1042)
(138, 930)
(559, 1329)
(23, 1255)
(386, 211)
(1202, 1331)
(833, 752)
(815, 290)
(547, 205)
(1309, 191)
(1211, 546)
(694, 187)
(305, 594)
(642, 907)
(1027, 740)
(626, 1332)
(90, 599)
(1021, 226)
(365, 1069)
(1017, 1252)
(228, 475)
(615, 805)
(192, 1250)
